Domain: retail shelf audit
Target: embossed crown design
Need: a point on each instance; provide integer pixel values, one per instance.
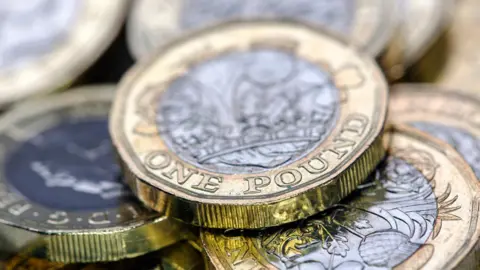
(251, 112)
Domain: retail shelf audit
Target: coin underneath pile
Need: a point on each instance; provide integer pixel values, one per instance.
(250, 134)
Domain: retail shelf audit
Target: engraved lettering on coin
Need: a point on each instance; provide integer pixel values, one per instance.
(68, 167)
(465, 143)
(338, 15)
(248, 112)
(29, 29)
(381, 225)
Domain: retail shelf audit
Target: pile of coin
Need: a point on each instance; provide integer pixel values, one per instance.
(291, 134)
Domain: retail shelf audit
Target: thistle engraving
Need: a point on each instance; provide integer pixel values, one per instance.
(465, 143)
(385, 222)
(336, 15)
(249, 111)
(31, 28)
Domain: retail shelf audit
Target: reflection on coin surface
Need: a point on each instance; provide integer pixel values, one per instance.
(155, 22)
(422, 23)
(180, 256)
(46, 44)
(251, 124)
(418, 210)
(59, 177)
(446, 114)
(457, 54)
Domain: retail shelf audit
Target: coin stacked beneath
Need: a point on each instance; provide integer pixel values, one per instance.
(249, 135)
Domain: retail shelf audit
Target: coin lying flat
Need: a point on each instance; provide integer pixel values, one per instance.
(46, 44)
(250, 125)
(153, 23)
(180, 256)
(422, 24)
(454, 62)
(418, 210)
(446, 114)
(59, 179)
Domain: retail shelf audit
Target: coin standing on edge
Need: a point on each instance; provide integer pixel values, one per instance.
(153, 23)
(250, 125)
(420, 209)
(47, 44)
(180, 256)
(422, 23)
(449, 115)
(60, 179)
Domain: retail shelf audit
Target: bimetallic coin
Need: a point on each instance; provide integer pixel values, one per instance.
(180, 256)
(153, 23)
(46, 44)
(449, 115)
(419, 210)
(59, 179)
(454, 62)
(422, 23)
(250, 125)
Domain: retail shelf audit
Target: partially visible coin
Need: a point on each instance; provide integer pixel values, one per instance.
(454, 62)
(419, 210)
(60, 179)
(250, 124)
(449, 115)
(153, 23)
(180, 256)
(422, 23)
(46, 44)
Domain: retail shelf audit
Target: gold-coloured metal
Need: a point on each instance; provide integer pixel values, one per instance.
(73, 35)
(179, 158)
(114, 228)
(420, 210)
(454, 61)
(447, 114)
(180, 256)
(154, 23)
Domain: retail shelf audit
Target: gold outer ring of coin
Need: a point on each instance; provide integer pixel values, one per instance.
(124, 231)
(98, 23)
(422, 23)
(454, 61)
(153, 23)
(219, 200)
(449, 243)
(180, 256)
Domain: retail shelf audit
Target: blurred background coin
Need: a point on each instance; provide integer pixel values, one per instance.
(47, 44)
(59, 179)
(419, 210)
(454, 61)
(446, 114)
(153, 23)
(250, 124)
(422, 23)
(180, 256)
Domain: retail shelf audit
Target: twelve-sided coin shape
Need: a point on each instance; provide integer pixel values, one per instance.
(419, 210)
(60, 180)
(250, 124)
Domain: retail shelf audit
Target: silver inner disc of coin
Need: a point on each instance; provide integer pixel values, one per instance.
(29, 29)
(338, 15)
(386, 221)
(247, 112)
(465, 143)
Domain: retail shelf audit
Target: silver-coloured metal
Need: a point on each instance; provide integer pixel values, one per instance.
(467, 144)
(248, 112)
(24, 24)
(386, 221)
